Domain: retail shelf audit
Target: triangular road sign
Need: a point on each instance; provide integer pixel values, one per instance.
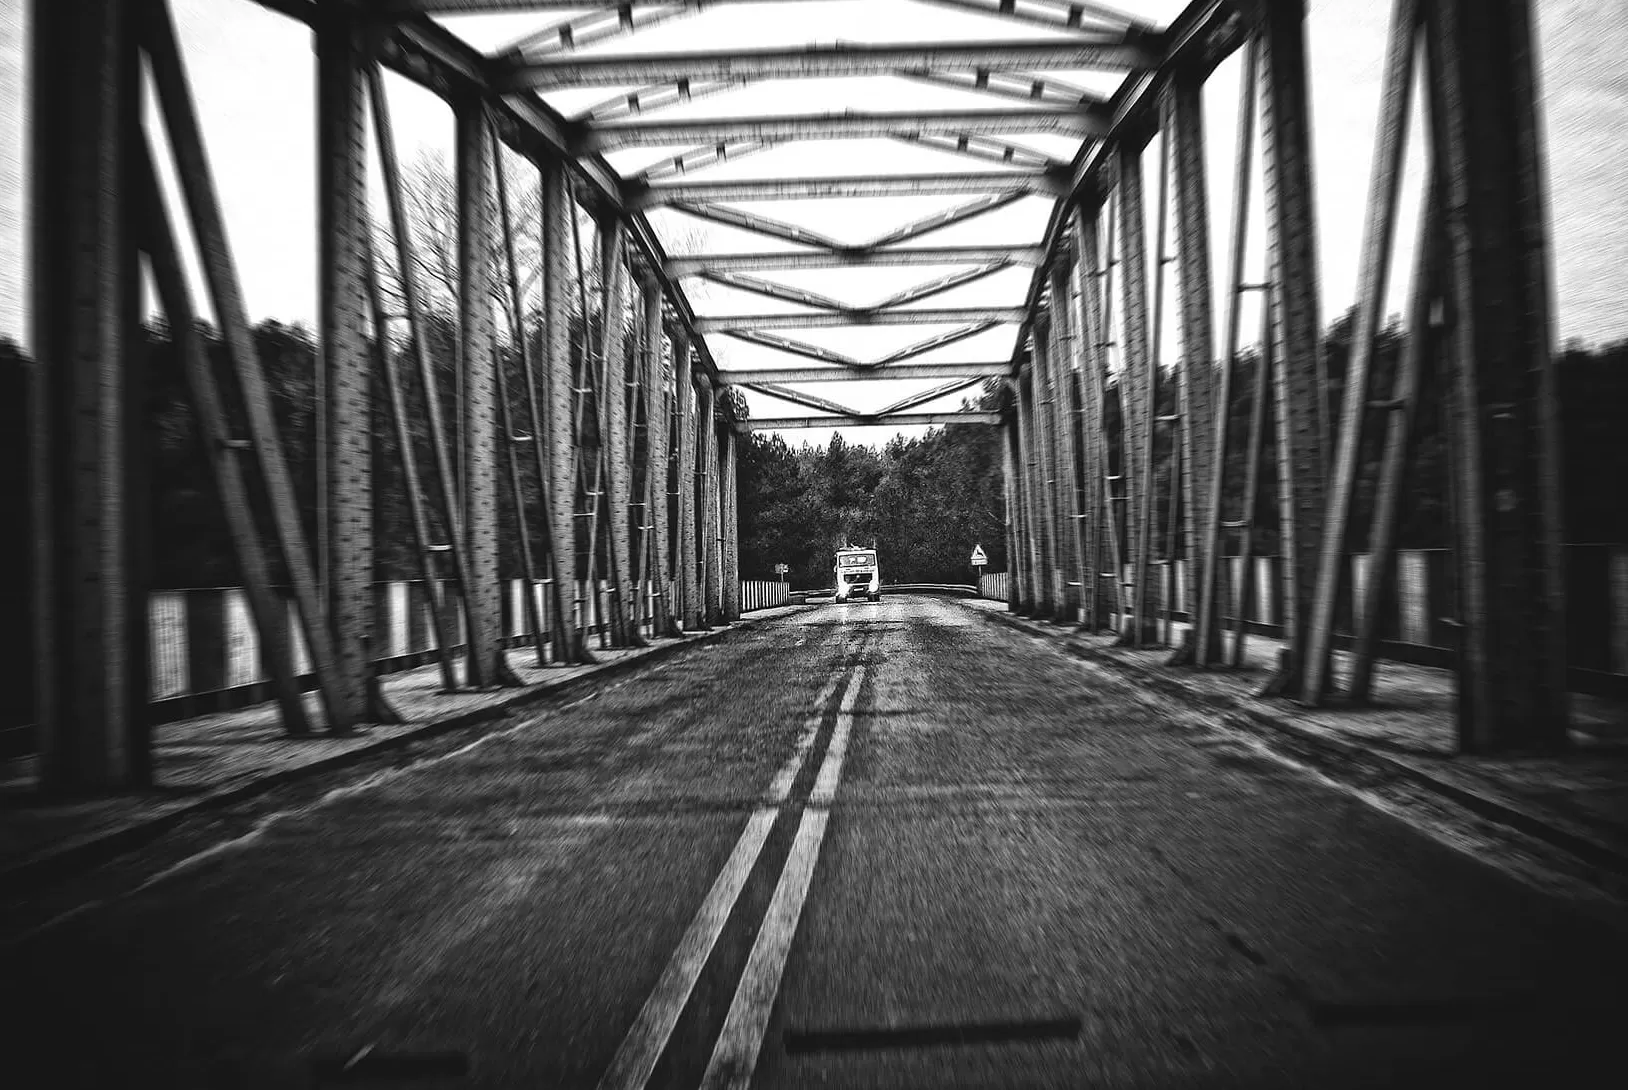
(978, 557)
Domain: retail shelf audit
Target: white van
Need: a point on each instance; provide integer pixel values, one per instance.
(858, 575)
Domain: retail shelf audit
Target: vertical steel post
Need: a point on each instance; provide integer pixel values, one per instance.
(1065, 343)
(1052, 597)
(481, 590)
(690, 550)
(1291, 243)
(343, 372)
(1373, 280)
(658, 417)
(1102, 541)
(1033, 504)
(1195, 365)
(84, 632)
(1266, 365)
(712, 518)
(729, 492)
(556, 206)
(1207, 632)
(1137, 387)
(614, 443)
(1014, 517)
(1503, 405)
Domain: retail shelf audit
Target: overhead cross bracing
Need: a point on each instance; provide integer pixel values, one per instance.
(882, 164)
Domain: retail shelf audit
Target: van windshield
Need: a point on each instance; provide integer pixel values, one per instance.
(856, 560)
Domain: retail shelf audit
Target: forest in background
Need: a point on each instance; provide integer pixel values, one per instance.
(924, 501)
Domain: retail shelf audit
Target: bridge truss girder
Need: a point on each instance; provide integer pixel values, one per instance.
(617, 439)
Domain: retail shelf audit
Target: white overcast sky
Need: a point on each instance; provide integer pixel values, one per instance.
(252, 72)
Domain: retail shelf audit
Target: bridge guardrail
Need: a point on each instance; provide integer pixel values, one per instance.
(1417, 626)
(204, 649)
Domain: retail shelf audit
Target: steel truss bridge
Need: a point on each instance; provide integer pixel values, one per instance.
(624, 418)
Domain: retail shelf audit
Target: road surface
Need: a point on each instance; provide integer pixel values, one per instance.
(888, 845)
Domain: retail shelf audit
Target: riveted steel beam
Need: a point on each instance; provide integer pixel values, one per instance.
(1300, 386)
(797, 397)
(861, 185)
(981, 146)
(1012, 85)
(849, 125)
(1502, 405)
(1109, 51)
(850, 374)
(897, 420)
(345, 521)
(481, 591)
(1070, 15)
(858, 318)
(927, 396)
(1195, 366)
(694, 264)
(87, 645)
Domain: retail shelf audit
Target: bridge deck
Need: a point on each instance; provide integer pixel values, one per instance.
(1001, 844)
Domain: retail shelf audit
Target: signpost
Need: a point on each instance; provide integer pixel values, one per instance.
(978, 562)
(781, 570)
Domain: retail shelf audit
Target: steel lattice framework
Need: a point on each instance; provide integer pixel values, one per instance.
(622, 417)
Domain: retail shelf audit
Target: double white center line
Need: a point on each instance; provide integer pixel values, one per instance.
(736, 1054)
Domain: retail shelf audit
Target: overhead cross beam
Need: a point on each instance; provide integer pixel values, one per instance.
(986, 148)
(897, 371)
(1015, 85)
(894, 420)
(698, 158)
(858, 318)
(597, 26)
(1113, 51)
(848, 125)
(804, 297)
(1020, 182)
(694, 264)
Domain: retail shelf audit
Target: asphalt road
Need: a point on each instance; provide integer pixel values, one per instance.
(887, 845)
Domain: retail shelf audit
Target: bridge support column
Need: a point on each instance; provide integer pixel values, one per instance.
(556, 210)
(345, 515)
(1195, 368)
(658, 468)
(1101, 537)
(1299, 382)
(1015, 543)
(730, 494)
(1502, 405)
(1046, 405)
(483, 608)
(1065, 344)
(1028, 448)
(690, 552)
(88, 610)
(711, 535)
(1138, 394)
(615, 440)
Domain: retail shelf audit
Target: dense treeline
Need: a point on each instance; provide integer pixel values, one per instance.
(924, 501)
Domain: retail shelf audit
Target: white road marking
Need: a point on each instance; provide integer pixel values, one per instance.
(734, 1058)
(639, 1051)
